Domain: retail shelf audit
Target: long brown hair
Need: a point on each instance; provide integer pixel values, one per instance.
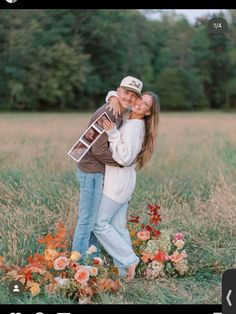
(151, 123)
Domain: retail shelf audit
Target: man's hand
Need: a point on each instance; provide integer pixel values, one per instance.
(114, 105)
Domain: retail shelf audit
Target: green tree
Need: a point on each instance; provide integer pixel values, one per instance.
(41, 68)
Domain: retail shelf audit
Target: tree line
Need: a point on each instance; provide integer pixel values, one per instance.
(68, 59)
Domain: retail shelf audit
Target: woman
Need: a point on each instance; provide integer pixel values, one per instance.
(132, 146)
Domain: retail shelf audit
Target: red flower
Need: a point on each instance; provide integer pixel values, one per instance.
(154, 219)
(153, 212)
(155, 233)
(134, 219)
(28, 276)
(160, 257)
(153, 208)
(149, 228)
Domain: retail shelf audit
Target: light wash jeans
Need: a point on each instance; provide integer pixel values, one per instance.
(91, 187)
(111, 231)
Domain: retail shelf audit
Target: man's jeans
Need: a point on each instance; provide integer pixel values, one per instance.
(91, 187)
(111, 231)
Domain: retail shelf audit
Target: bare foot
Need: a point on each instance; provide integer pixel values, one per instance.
(130, 273)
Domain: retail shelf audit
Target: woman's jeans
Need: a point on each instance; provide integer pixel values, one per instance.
(111, 231)
(91, 187)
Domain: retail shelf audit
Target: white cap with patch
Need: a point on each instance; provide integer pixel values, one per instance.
(133, 84)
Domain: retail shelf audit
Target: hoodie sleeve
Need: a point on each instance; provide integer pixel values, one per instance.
(126, 146)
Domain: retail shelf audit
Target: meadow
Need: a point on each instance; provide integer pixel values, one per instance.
(192, 176)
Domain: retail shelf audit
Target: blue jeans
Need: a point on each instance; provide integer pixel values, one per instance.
(111, 231)
(91, 187)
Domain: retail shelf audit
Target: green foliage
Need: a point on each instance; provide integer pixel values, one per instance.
(69, 59)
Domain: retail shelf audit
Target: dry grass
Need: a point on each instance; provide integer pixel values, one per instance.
(192, 175)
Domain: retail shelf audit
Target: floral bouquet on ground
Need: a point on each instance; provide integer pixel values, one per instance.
(59, 271)
(161, 252)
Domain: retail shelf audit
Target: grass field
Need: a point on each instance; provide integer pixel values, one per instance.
(192, 175)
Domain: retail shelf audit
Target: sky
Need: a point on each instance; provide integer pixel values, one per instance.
(191, 14)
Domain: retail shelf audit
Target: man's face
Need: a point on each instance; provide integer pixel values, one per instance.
(126, 97)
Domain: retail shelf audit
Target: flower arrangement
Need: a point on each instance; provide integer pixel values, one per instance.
(59, 271)
(161, 252)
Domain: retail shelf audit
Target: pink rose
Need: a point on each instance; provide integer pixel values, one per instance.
(143, 235)
(179, 236)
(61, 263)
(82, 275)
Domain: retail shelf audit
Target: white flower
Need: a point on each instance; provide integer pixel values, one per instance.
(158, 266)
(86, 267)
(92, 249)
(61, 281)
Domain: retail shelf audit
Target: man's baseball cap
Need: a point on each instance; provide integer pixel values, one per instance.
(133, 84)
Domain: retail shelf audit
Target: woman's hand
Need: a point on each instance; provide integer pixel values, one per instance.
(114, 105)
(108, 125)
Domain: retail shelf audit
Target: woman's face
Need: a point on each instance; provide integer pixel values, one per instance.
(143, 105)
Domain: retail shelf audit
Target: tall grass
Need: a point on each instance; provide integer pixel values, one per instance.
(192, 175)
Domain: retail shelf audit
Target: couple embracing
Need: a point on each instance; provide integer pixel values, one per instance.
(107, 173)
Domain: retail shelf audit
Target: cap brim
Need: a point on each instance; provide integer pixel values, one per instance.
(132, 90)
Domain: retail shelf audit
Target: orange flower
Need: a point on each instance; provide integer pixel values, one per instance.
(106, 284)
(82, 275)
(50, 255)
(160, 257)
(132, 232)
(143, 235)
(61, 263)
(137, 242)
(1, 261)
(34, 287)
(146, 257)
(177, 256)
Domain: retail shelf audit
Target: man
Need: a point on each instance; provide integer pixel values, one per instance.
(91, 168)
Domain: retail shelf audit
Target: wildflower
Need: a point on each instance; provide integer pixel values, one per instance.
(143, 235)
(134, 219)
(181, 266)
(92, 249)
(160, 256)
(82, 275)
(61, 281)
(178, 256)
(146, 257)
(34, 288)
(1, 261)
(94, 271)
(61, 262)
(179, 236)
(155, 269)
(50, 255)
(74, 266)
(75, 256)
(97, 261)
(155, 247)
(179, 244)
